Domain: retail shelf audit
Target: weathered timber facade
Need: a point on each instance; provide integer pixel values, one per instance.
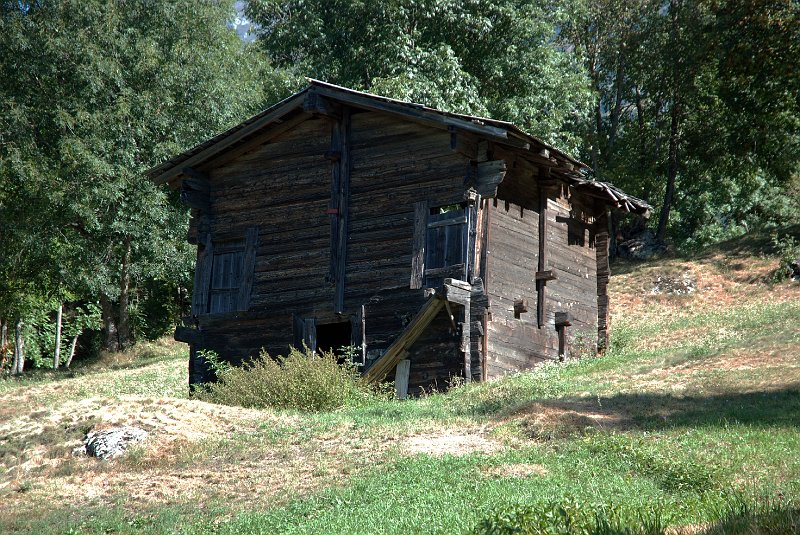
(439, 245)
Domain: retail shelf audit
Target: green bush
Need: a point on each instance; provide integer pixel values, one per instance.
(303, 380)
(788, 251)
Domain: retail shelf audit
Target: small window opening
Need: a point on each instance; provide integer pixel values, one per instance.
(336, 337)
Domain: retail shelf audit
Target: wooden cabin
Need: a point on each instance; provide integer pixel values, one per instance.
(438, 245)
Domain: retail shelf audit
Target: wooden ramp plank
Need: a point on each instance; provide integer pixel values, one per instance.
(395, 353)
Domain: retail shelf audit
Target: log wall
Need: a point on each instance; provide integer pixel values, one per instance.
(283, 187)
(514, 341)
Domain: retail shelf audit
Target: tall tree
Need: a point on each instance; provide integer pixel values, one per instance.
(92, 93)
(495, 57)
(697, 109)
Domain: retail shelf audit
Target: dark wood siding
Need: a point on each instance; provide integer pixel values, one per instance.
(283, 187)
(515, 343)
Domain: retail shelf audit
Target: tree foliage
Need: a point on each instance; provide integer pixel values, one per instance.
(93, 93)
(482, 57)
(697, 110)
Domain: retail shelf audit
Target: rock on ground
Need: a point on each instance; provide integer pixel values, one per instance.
(112, 442)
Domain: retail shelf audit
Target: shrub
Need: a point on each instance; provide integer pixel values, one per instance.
(788, 251)
(303, 380)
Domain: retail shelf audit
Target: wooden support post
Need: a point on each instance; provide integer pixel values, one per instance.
(544, 186)
(459, 292)
(562, 322)
(418, 251)
(466, 344)
(603, 272)
(339, 206)
(473, 201)
(359, 335)
(401, 374)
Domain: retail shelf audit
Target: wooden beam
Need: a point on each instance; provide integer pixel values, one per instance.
(548, 275)
(316, 104)
(490, 175)
(418, 246)
(196, 199)
(395, 352)
(198, 180)
(520, 307)
(333, 203)
(188, 335)
(202, 275)
(544, 187)
(344, 212)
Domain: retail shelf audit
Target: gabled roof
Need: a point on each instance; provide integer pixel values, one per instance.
(501, 132)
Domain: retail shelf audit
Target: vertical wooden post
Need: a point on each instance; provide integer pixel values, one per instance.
(603, 272)
(466, 342)
(471, 231)
(540, 283)
(418, 247)
(202, 275)
(562, 322)
(401, 374)
(340, 199)
(358, 334)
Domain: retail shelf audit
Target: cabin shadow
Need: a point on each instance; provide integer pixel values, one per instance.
(654, 412)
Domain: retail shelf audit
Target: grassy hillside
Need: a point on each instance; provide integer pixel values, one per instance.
(691, 419)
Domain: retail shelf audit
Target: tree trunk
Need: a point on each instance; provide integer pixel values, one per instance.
(598, 125)
(672, 171)
(109, 324)
(19, 350)
(124, 326)
(72, 350)
(616, 113)
(57, 352)
(3, 343)
(643, 156)
(674, 130)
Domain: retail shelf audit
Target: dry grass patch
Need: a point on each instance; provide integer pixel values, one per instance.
(450, 442)
(547, 420)
(718, 285)
(518, 470)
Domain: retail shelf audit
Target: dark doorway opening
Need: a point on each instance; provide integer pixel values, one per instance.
(334, 337)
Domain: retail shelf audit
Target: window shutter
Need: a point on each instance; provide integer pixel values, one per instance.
(202, 277)
(248, 268)
(446, 247)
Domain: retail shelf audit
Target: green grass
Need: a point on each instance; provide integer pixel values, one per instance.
(699, 424)
(151, 369)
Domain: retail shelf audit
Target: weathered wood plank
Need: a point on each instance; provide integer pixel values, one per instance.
(401, 379)
(415, 328)
(418, 244)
